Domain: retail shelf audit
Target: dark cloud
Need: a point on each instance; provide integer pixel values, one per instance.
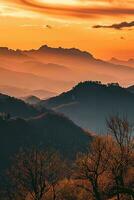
(119, 26)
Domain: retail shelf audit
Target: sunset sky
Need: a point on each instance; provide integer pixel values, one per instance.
(103, 27)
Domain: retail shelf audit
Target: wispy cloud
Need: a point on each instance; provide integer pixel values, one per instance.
(10, 11)
(118, 26)
(36, 26)
(88, 9)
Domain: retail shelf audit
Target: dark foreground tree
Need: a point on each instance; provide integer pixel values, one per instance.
(107, 169)
(122, 156)
(104, 172)
(91, 167)
(34, 172)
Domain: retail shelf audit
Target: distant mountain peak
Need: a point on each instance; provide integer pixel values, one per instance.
(129, 62)
(94, 84)
(44, 47)
(90, 103)
(119, 60)
(4, 51)
(16, 107)
(66, 51)
(113, 59)
(31, 99)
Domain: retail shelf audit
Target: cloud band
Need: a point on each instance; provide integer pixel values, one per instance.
(76, 10)
(119, 26)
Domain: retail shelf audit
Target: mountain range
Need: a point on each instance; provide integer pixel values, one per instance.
(57, 69)
(24, 92)
(129, 62)
(23, 125)
(18, 108)
(131, 88)
(55, 123)
(33, 100)
(89, 104)
(30, 81)
(63, 115)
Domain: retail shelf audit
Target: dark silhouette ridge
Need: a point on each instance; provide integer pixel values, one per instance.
(18, 108)
(73, 52)
(131, 88)
(5, 51)
(88, 104)
(31, 100)
(47, 131)
(66, 51)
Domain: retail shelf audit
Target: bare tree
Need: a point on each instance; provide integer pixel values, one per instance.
(9, 187)
(58, 171)
(34, 171)
(92, 165)
(122, 154)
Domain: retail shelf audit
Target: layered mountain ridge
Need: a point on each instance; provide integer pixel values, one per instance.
(23, 125)
(57, 69)
(89, 104)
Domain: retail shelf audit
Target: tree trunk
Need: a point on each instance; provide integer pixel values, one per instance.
(96, 192)
(54, 193)
(117, 185)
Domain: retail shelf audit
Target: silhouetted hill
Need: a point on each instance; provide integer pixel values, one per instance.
(17, 108)
(48, 130)
(131, 89)
(5, 51)
(89, 104)
(64, 51)
(31, 100)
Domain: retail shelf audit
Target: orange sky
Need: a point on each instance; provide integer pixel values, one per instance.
(28, 24)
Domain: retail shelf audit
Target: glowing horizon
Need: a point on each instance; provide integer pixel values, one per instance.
(69, 24)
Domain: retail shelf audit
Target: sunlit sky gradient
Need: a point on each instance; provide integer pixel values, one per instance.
(28, 24)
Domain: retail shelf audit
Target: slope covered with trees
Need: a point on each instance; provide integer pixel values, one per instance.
(103, 172)
(88, 104)
(49, 131)
(17, 108)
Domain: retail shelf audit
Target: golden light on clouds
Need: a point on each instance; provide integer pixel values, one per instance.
(78, 8)
(71, 23)
(59, 2)
(9, 11)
